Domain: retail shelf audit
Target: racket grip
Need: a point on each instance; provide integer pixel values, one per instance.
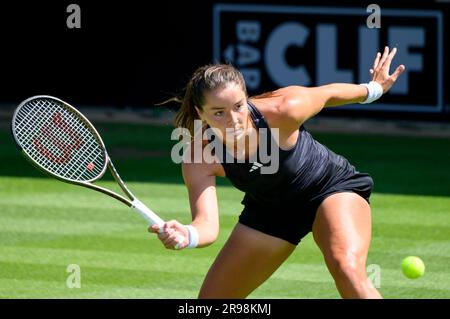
(152, 218)
(146, 212)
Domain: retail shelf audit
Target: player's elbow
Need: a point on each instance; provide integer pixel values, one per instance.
(207, 242)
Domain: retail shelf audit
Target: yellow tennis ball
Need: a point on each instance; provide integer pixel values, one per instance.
(413, 267)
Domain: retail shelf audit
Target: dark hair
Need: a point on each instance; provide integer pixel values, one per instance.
(204, 79)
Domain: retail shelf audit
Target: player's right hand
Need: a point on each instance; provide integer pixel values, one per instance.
(171, 234)
(380, 69)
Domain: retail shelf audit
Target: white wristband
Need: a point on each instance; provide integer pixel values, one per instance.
(375, 91)
(193, 236)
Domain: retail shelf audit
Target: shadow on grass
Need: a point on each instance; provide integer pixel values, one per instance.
(398, 165)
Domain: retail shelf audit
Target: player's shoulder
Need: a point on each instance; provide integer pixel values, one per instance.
(281, 107)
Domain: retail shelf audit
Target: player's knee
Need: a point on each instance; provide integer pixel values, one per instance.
(347, 266)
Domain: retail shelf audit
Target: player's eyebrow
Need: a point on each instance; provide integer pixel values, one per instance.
(221, 108)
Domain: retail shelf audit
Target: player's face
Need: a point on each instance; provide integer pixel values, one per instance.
(226, 110)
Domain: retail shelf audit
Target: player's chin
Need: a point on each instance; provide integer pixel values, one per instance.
(233, 142)
(235, 135)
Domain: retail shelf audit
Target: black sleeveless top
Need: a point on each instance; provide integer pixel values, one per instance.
(305, 171)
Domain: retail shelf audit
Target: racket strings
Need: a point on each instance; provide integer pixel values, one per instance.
(59, 147)
(59, 140)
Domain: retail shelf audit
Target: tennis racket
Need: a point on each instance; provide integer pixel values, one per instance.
(59, 140)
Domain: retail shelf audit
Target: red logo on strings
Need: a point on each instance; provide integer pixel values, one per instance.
(65, 147)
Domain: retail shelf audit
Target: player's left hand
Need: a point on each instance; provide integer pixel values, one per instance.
(380, 69)
(171, 234)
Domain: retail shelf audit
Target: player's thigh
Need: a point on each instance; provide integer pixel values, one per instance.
(247, 259)
(342, 226)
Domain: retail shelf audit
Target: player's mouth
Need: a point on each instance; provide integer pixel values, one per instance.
(237, 133)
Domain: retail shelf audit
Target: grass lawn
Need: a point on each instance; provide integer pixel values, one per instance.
(46, 225)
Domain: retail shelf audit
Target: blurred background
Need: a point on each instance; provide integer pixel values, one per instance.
(132, 55)
(127, 56)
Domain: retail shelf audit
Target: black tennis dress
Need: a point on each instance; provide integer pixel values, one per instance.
(284, 204)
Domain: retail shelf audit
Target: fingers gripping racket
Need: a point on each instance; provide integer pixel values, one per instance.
(61, 141)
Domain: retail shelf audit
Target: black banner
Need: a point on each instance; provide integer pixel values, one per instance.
(281, 45)
(131, 54)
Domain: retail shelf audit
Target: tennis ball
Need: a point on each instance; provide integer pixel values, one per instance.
(413, 267)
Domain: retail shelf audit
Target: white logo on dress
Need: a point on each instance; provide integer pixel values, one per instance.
(255, 166)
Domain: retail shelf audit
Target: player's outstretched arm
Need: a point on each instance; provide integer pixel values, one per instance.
(343, 93)
(302, 103)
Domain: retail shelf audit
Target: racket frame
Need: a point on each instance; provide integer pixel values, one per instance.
(131, 202)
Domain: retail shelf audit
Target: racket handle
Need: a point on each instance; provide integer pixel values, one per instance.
(152, 218)
(147, 213)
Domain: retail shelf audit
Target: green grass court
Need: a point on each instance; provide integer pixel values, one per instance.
(45, 225)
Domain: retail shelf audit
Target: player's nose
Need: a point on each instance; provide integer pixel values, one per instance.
(233, 119)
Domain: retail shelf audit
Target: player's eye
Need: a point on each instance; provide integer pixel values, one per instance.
(239, 107)
(218, 113)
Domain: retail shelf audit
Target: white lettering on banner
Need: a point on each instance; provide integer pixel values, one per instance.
(282, 37)
(262, 48)
(406, 39)
(247, 54)
(327, 55)
(248, 31)
(243, 54)
(369, 39)
(295, 34)
(252, 77)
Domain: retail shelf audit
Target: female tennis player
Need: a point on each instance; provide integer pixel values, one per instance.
(313, 189)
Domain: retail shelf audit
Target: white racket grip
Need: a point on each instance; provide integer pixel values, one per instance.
(146, 212)
(152, 218)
